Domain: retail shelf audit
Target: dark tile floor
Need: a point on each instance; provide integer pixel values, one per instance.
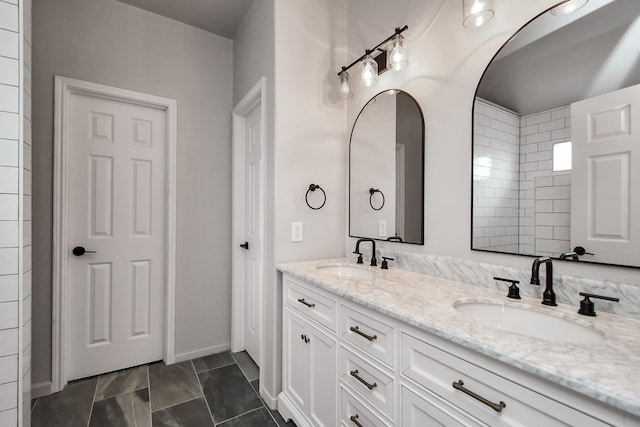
(217, 390)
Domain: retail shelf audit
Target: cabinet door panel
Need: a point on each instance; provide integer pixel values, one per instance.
(295, 379)
(323, 383)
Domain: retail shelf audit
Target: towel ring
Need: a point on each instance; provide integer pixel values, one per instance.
(314, 187)
(373, 191)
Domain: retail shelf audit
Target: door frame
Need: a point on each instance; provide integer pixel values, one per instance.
(255, 98)
(64, 88)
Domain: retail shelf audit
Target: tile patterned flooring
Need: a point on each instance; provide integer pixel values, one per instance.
(217, 390)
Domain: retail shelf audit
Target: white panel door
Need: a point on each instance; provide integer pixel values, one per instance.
(253, 232)
(605, 190)
(117, 210)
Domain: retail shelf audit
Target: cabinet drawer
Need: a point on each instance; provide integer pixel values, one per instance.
(377, 339)
(354, 412)
(437, 370)
(318, 307)
(429, 410)
(374, 385)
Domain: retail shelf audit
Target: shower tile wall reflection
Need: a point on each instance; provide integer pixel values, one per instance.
(496, 176)
(520, 204)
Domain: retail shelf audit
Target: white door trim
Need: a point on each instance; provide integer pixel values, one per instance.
(252, 100)
(64, 88)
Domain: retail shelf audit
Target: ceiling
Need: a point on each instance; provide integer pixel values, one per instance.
(221, 17)
(546, 67)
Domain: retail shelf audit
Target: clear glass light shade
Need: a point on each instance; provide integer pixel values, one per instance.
(568, 7)
(368, 71)
(397, 53)
(476, 12)
(344, 90)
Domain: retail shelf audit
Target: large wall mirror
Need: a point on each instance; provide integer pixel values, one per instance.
(386, 170)
(556, 139)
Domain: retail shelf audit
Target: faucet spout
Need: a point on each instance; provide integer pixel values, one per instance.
(548, 296)
(374, 261)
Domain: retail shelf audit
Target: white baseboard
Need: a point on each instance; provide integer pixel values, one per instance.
(40, 389)
(289, 411)
(202, 352)
(269, 400)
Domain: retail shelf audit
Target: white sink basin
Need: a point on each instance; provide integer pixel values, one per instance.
(346, 271)
(530, 322)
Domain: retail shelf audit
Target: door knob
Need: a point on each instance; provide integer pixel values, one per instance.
(80, 250)
(581, 251)
(245, 245)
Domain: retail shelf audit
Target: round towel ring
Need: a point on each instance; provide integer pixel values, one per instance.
(373, 191)
(314, 187)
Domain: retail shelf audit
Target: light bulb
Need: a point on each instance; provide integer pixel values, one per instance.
(397, 53)
(368, 71)
(344, 91)
(568, 7)
(476, 12)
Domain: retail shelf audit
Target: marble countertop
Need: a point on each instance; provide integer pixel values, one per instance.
(608, 371)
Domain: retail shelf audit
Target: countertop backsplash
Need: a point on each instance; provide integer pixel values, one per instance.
(566, 287)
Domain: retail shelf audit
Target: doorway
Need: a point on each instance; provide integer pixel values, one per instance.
(114, 229)
(249, 152)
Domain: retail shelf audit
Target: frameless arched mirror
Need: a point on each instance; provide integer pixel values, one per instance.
(556, 139)
(386, 170)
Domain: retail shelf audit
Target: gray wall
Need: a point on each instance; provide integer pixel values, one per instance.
(108, 42)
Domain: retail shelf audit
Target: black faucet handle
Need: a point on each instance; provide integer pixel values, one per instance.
(385, 265)
(359, 257)
(514, 291)
(587, 308)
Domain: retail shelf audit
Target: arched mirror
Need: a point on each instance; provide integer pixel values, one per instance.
(386, 170)
(556, 138)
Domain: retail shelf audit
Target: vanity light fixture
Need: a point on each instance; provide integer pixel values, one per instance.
(344, 91)
(393, 55)
(368, 70)
(476, 13)
(568, 7)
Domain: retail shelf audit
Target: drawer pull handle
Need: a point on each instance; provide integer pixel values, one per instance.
(355, 375)
(362, 334)
(301, 300)
(498, 407)
(354, 419)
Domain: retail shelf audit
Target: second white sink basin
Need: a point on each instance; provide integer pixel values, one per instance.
(346, 271)
(530, 322)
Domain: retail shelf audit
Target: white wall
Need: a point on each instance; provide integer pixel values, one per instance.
(15, 212)
(254, 58)
(108, 42)
(447, 61)
(296, 45)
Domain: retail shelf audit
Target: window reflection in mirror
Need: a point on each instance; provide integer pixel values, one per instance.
(386, 170)
(553, 143)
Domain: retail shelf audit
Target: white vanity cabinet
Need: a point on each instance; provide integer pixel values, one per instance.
(348, 365)
(309, 356)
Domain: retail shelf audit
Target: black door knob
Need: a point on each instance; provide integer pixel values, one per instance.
(245, 245)
(80, 250)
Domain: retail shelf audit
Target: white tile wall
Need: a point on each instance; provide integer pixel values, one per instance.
(9, 46)
(520, 204)
(9, 69)
(496, 175)
(9, 288)
(8, 364)
(544, 203)
(15, 180)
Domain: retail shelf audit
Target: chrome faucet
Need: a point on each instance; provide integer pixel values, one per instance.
(548, 296)
(374, 261)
